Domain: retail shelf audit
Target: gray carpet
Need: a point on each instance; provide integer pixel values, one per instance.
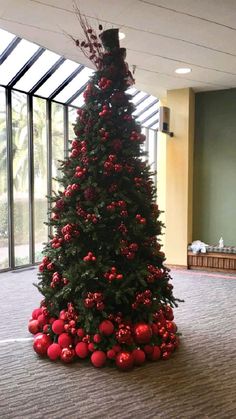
(199, 381)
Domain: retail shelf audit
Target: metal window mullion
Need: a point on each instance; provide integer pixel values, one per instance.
(31, 179)
(66, 130)
(49, 153)
(11, 244)
(5, 54)
(155, 156)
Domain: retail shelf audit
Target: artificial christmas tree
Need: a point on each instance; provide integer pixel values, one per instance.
(106, 291)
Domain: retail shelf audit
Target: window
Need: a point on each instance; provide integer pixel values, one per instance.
(4, 263)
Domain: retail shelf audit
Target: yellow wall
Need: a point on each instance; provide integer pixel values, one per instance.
(175, 173)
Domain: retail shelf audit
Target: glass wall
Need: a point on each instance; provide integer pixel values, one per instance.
(4, 262)
(34, 133)
(20, 152)
(58, 144)
(40, 175)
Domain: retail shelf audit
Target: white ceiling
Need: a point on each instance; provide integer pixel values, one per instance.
(161, 35)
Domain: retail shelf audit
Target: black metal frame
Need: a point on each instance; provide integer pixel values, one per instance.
(26, 66)
(5, 54)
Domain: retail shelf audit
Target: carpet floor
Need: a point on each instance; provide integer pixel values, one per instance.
(199, 381)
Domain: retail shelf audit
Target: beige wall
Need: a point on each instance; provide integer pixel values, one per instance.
(175, 173)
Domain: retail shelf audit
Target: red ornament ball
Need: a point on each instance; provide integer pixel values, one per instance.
(33, 326)
(106, 327)
(97, 338)
(98, 359)
(156, 354)
(139, 356)
(67, 355)
(169, 315)
(36, 312)
(91, 347)
(142, 333)
(58, 326)
(42, 320)
(166, 355)
(65, 340)
(171, 326)
(54, 351)
(111, 354)
(125, 361)
(148, 349)
(41, 344)
(81, 350)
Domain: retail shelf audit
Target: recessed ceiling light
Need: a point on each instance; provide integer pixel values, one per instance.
(183, 70)
(121, 35)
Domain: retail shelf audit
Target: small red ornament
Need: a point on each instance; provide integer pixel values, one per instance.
(65, 340)
(142, 333)
(58, 326)
(166, 355)
(42, 320)
(106, 327)
(171, 326)
(67, 355)
(139, 356)
(33, 327)
(168, 312)
(98, 359)
(156, 354)
(111, 354)
(41, 344)
(81, 350)
(91, 347)
(54, 351)
(97, 338)
(125, 361)
(81, 333)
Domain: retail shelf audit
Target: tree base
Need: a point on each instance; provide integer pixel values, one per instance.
(116, 343)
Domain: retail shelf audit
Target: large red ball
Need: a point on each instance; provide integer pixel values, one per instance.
(64, 340)
(33, 326)
(139, 356)
(41, 343)
(125, 361)
(58, 326)
(142, 333)
(36, 312)
(98, 359)
(67, 355)
(106, 327)
(81, 350)
(54, 351)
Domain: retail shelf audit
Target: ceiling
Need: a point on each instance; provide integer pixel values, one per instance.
(161, 35)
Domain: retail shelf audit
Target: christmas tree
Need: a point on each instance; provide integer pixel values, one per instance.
(107, 294)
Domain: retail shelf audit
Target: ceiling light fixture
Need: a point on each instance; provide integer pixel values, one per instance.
(121, 35)
(183, 70)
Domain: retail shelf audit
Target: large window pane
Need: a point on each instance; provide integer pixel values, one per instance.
(40, 175)
(57, 78)
(20, 177)
(4, 263)
(74, 85)
(37, 70)
(15, 61)
(57, 141)
(72, 120)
